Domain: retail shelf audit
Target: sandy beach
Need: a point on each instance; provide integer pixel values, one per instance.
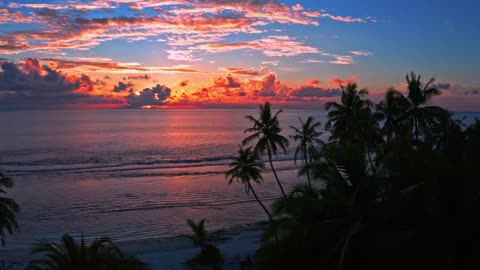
(236, 244)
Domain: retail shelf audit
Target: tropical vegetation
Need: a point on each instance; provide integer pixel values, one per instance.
(397, 186)
(209, 254)
(101, 254)
(8, 208)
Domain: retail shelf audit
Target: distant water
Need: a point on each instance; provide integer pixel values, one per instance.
(132, 174)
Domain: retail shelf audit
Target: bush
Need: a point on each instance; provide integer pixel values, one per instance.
(210, 256)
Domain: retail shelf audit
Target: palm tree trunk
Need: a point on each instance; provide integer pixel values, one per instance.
(306, 169)
(264, 209)
(274, 172)
(370, 160)
(415, 120)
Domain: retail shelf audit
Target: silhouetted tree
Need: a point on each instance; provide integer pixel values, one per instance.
(266, 130)
(209, 254)
(246, 168)
(352, 122)
(307, 136)
(101, 254)
(199, 236)
(8, 209)
(391, 109)
(421, 117)
(348, 120)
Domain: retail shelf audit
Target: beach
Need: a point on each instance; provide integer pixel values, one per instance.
(236, 244)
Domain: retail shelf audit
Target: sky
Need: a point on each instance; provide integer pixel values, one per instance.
(83, 54)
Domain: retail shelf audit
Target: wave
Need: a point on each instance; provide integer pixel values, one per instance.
(175, 167)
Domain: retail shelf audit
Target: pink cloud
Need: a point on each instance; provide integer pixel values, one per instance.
(270, 46)
(362, 53)
(342, 60)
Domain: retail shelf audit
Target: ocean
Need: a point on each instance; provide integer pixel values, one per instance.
(133, 174)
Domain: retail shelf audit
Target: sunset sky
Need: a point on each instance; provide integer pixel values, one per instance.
(219, 53)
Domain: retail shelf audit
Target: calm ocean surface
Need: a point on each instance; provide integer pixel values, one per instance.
(132, 174)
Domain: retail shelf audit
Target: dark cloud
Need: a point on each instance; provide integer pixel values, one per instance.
(30, 85)
(139, 77)
(229, 82)
(122, 87)
(314, 91)
(149, 96)
(443, 86)
(183, 83)
(472, 92)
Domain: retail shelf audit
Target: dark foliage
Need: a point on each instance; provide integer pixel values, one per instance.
(396, 187)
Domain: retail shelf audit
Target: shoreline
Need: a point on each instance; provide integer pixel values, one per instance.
(236, 244)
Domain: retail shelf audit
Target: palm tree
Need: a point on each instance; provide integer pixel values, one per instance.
(102, 254)
(391, 109)
(348, 120)
(266, 129)
(352, 121)
(8, 209)
(420, 94)
(246, 168)
(199, 236)
(307, 136)
(209, 253)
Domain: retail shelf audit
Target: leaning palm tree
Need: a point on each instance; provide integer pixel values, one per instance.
(419, 94)
(102, 254)
(307, 136)
(8, 209)
(246, 168)
(266, 130)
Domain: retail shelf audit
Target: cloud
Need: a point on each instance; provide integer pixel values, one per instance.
(347, 19)
(139, 77)
(186, 23)
(442, 86)
(245, 71)
(183, 83)
(8, 16)
(107, 65)
(312, 89)
(122, 87)
(472, 92)
(273, 46)
(30, 85)
(342, 60)
(154, 96)
(338, 80)
(312, 61)
(273, 63)
(313, 81)
(181, 55)
(362, 53)
(228, 81)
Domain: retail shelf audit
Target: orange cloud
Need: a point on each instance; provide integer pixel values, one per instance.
(339, 81)
(31, 85)
(107, 65)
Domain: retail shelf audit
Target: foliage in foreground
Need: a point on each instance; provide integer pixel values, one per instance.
(8, 209)
(209, 254)
(102, 254)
